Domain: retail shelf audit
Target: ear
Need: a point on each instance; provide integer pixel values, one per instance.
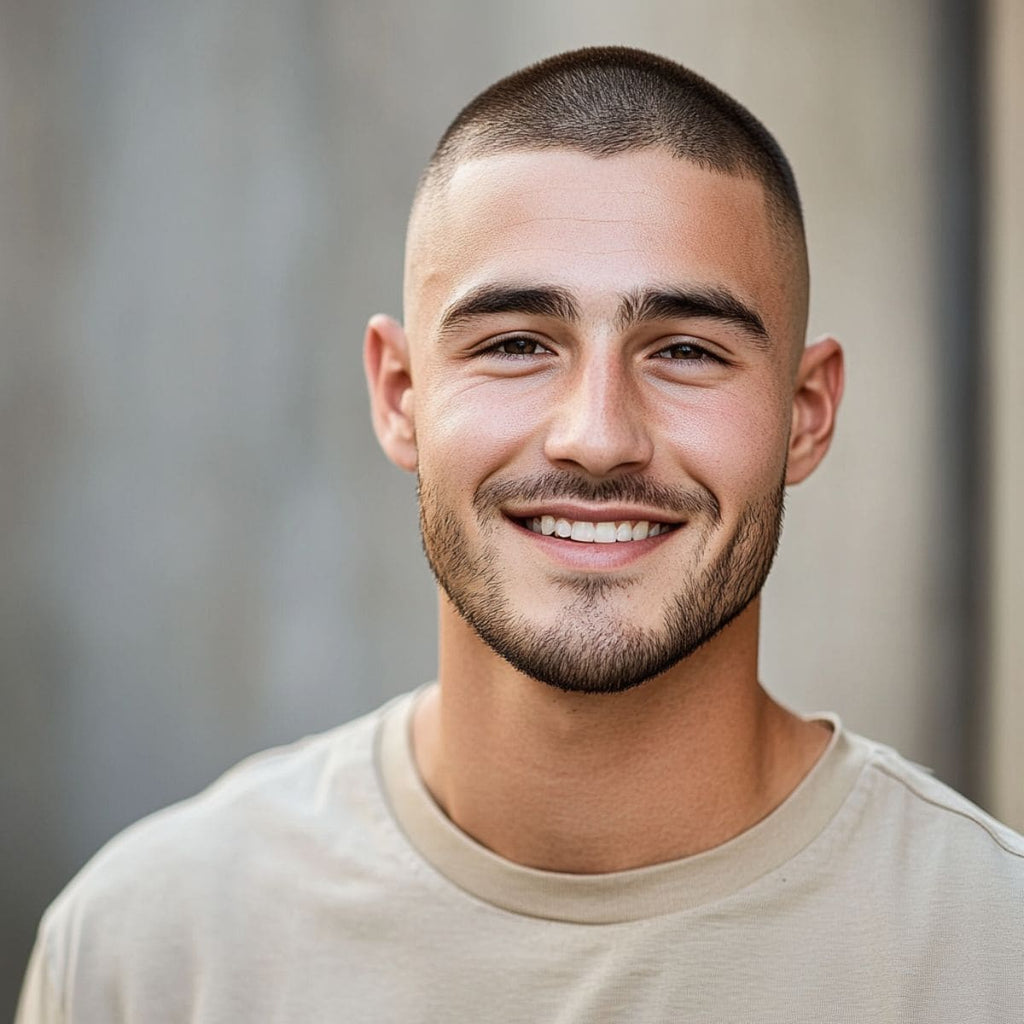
(389, 376)
(819, 387)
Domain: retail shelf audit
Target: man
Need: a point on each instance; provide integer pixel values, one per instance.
(597, 814)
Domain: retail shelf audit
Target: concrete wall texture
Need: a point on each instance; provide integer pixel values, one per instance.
(201, 550)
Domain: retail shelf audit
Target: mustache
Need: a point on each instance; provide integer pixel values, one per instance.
(682, 502)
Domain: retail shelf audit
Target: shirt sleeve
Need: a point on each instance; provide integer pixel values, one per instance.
(40, 1001)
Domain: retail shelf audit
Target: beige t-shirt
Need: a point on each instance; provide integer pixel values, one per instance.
(320, 883)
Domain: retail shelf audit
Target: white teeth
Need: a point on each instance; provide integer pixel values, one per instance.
(583, 531)
(593, 532)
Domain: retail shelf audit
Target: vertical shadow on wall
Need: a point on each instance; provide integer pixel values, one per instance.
(961, 343)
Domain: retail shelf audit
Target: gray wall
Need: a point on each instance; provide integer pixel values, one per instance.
(201, 551)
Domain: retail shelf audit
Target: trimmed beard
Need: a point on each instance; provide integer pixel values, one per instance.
(590, 650)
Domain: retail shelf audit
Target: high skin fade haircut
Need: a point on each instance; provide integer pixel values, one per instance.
(608, 100)
(604, 101)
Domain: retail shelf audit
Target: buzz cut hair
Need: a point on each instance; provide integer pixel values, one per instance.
(607, 100)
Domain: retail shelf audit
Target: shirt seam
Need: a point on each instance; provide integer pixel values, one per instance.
(947, 806)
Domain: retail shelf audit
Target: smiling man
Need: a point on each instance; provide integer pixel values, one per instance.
(596, 813)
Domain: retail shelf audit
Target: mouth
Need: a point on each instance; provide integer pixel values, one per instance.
(583, 531)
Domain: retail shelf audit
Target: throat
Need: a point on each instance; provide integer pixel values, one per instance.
(593, 785)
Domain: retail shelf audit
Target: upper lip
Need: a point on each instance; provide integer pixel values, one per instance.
(589, 513)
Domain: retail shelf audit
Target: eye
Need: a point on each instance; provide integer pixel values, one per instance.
(685, 351)
(517, 347)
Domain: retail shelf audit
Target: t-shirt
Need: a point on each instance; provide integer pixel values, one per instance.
(321, 883)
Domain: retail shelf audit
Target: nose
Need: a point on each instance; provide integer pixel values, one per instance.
(599, 424)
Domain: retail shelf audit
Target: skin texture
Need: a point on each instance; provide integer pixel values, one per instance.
(583, 412)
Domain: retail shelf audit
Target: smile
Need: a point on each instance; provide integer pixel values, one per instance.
(586, 532)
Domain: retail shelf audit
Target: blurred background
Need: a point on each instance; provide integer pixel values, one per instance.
(202, 552)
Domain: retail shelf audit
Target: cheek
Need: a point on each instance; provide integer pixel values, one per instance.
(733, 445)
(468, 433)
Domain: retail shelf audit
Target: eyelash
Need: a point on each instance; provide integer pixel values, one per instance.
(699, 353)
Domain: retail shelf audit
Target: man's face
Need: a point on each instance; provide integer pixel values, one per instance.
(604, 349)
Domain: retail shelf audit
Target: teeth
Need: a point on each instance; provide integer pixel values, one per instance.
(583, 531)
(595, 533)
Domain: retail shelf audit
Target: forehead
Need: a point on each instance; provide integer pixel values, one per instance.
(598, 227)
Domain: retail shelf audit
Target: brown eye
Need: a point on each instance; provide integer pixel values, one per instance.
(518, 347)
(683, 351)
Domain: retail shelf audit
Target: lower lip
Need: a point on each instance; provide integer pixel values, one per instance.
(593, 556)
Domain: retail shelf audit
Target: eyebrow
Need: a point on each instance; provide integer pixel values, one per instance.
(705, 303)
(636, 307)
(490, 299)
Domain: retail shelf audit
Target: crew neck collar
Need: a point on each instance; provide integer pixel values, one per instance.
(621, 895)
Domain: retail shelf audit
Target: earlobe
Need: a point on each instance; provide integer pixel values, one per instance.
(389, 377)
(816, 397)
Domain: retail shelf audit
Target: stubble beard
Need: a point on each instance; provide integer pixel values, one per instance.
(590, 649)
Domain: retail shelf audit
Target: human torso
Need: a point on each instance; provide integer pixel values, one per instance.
(320, 883)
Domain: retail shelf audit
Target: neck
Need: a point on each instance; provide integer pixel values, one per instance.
(588, 783)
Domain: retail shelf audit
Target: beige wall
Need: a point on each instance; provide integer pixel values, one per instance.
(201, 551)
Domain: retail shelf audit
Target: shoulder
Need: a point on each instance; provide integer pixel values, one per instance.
(259, 800)
(931, 888)
(943, 842)
(915, 790)
(191, 870)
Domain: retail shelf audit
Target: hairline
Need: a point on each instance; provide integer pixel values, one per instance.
(445, 163)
